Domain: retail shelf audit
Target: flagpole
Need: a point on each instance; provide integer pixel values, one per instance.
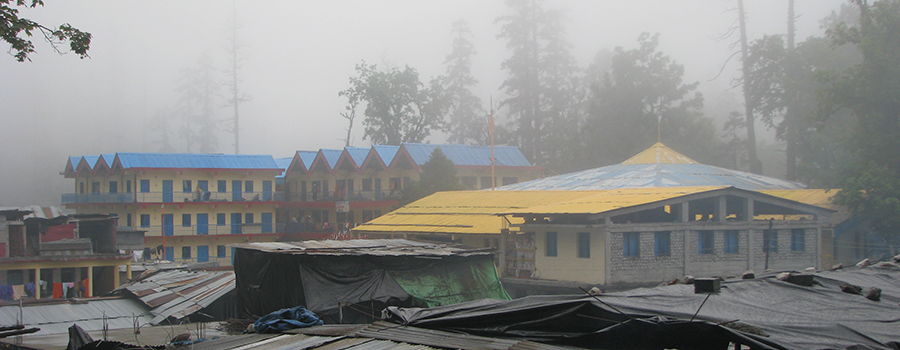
(493, 177)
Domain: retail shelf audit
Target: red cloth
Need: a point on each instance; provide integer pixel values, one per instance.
(87, 290)
(57, 290)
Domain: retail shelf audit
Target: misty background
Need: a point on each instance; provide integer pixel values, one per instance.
(297, 56)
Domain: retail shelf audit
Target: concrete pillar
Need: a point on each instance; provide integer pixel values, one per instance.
(818, 255)
(685, 212)
(748, 210)
(37, 283)
(721, 210)
(127, 272)
(90, 286)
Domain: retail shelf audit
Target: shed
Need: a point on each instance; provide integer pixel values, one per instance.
(352, 280)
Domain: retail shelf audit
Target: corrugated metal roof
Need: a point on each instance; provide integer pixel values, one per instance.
(284, 164)
(817, 197)
(358, 154)
(307, 157)
(609, 200)
(38, 211)
(377, 336)
(652, 175)
(659, 154)
(468, 155)
(56, 318)
(196, 161)
(370, 247)
(386, 153)
(178, 293)
(90, 161)
(331, 156)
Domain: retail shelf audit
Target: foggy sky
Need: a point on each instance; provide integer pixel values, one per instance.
(297, 57)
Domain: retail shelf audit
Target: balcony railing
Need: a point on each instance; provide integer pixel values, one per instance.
(332, 196)
(172, 197)
(209, 229)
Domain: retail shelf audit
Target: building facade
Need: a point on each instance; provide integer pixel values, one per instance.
(190, 205)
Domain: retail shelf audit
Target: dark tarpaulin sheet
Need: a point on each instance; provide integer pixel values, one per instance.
(267, 281)
(793, 317)
(329, 281)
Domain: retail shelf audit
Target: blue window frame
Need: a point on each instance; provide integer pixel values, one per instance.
(170, 253)
(186, 253)
(705, 242)
(186, 186)
(220, 251)
(128, 221)
(203, 185)
(202, 224)
(266, 220)
(798, 240)
(631, 244)
(662, 243)
(732, 242)
(202, 253)
(127, 186)
(584, 245)
(248, 218)
(113, 187)
(185, 220)
(236, 223)
(220, 219)
(145, 186)
(145, 220)
(168, 225)
(220, 186)
(551, 244)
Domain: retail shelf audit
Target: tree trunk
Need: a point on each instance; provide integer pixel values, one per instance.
(755, 164)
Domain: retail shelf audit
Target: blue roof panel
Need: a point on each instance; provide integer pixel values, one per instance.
(91, 161)
(332, 156)
(284, 164)
(386, 152)
(358, 154)
(307, 157)
(653, 175)
(196, 161)
(108, 158)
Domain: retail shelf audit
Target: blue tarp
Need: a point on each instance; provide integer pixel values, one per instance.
(284, 319)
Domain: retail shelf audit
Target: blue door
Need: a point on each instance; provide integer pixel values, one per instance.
(167, 191)
(202, 253)
(267, 191)
(168, 225)
(266, 220)
(170, 253)
(235, 223)
(202, 224)
(236, 191)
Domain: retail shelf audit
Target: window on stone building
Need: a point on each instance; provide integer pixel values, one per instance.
(584, 245)
(631, 244)
(732, 239)
(185, 253)
(662, 245)
(705, 243)
(798, 240)
(551, 244)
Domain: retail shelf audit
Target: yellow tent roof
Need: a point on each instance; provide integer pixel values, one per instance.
(817, 197)
(602, 201)
(659, 154)
(475, 212)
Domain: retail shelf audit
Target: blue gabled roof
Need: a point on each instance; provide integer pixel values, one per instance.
(307, 157)
(332, 156)
(196, 161)
(284, 164)
(91, 161)
(108, 158)
(621, 176)
(386, 152)
(358, 154)
(468, 155)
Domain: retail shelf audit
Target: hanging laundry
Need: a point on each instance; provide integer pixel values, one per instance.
(29, 289)
(87, 291)
(57, 290)
(18, 291)
(65, 290)
(6, 293)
